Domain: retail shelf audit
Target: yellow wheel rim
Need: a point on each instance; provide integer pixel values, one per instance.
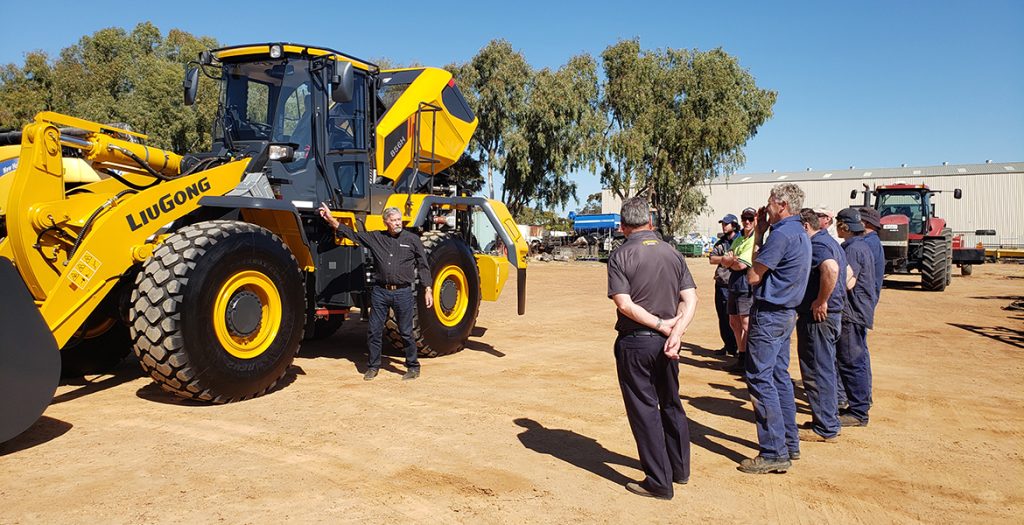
(451, 279)
(256, 341)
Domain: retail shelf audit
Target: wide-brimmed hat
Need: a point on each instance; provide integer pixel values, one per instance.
(870, 216)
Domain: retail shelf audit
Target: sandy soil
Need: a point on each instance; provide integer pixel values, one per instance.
(527, 426)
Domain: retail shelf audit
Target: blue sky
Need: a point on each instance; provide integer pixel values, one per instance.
(870, 84)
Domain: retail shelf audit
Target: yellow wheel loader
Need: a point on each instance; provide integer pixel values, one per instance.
(213, 267)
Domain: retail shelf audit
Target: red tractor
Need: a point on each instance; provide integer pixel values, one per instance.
(915, 239)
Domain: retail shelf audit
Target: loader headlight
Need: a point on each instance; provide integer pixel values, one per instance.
(275, 51)
(282, 152)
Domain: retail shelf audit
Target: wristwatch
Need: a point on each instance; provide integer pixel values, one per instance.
(658, 326)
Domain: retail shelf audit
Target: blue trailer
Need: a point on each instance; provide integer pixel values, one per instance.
(606, 222)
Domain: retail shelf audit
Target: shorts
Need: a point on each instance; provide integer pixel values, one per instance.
(739, 303)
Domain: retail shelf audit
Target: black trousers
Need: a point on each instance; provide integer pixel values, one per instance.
(650, 389)
(724, 330)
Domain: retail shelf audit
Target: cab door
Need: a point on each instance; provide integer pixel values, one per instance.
(347, 147)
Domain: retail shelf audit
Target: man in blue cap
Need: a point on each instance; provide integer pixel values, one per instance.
(854, 362)
(818, 324)
(730, 227)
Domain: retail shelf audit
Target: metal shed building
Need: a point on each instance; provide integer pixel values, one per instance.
(993, 195)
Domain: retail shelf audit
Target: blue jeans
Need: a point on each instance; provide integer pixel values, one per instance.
(855, 368)
(771, 388)
(816, 348)
(724, 330)
(403, 301)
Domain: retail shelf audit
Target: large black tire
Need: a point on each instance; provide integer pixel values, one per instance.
(934, 265)
(445, 328)
(966, 269)
(218, 312)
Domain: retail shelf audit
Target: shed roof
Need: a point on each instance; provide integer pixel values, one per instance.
(987, 168)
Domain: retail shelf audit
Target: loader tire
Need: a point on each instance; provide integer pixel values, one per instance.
(445, 328)
(934, 265)
(218, 312)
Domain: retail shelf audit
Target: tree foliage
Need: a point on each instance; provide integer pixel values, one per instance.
(494, 83)
(592, 205)
(677, 118)
(116, 77)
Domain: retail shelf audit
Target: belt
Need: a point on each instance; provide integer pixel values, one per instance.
(393, 286)
(643, 333)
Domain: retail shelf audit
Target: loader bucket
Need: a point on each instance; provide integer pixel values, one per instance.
(29, 358)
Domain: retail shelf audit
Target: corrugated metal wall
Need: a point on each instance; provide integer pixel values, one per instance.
(990, 201)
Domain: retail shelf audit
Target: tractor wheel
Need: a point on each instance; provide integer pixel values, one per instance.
(445, 328)
(966, 269)
(934, 265)
(218, 311)
(324, 328)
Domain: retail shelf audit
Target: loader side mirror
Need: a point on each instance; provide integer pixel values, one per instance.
(342, 83)
(853, 194)
(957, 193)
(191, 85)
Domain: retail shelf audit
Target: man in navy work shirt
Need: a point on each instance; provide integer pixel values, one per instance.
(655, 297)
(872, 221)
(858, 316)
(779, 277)
(398, 257)
(819, 318)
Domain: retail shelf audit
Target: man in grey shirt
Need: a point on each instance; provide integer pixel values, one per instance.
(655, 297)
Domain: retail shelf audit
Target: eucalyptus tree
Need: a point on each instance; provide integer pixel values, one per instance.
(559, 133)
(677, 118)
(116, 76)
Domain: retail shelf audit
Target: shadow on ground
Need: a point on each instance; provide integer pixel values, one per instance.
(42, 431)
(576, 449)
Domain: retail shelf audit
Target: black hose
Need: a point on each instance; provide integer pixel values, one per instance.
(143, 164)
(130, 184)
(89, 221)
(10, 138)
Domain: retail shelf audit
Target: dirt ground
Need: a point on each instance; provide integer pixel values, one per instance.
(526, 425)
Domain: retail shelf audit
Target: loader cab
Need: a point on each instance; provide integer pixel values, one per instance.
(288, 100)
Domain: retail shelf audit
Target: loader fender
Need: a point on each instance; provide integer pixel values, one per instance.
(280, 217)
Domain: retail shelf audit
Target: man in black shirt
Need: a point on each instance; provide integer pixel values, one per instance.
(656, 298)
(398, 256)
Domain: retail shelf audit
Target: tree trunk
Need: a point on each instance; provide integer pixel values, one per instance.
(490, 174)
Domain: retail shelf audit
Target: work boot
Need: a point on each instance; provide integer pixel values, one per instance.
(794, 455)
(850, 420)
(639, 490)
(811, 436)
(763, 465)
(412, 373)
(370, 374)
(740, 365)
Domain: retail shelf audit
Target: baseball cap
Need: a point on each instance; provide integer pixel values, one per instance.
(821, 209)
(729, 219)
(870, 216)
(851, 218)
(748, 212)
